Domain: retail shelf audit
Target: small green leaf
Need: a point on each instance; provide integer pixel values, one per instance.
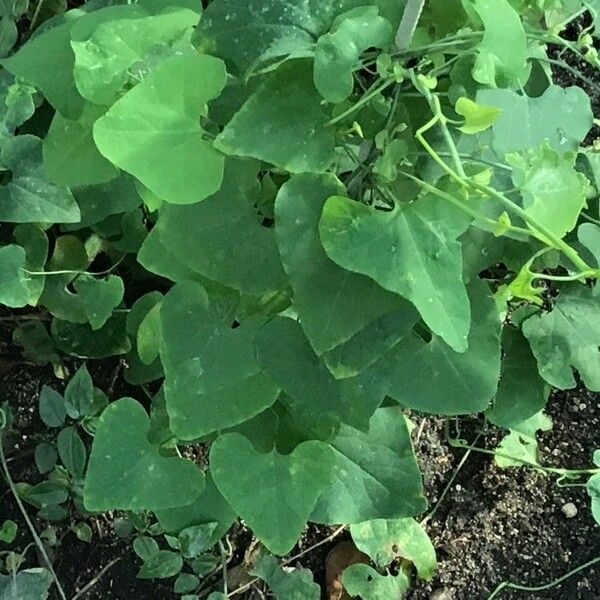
(297, 584)
(8, 532)
(364, 582)
(163, 111)
(196, 539)
(566, 338)
(99, 297)
(125, 471)
(290, 486)
(72, 451)
(478, 117)
(501, 59)
(29, 197)
(52, 407)
(13, 279)
(262, 128)
(411, 250)
(162, 565)
(79, 393)
(145, 547)
(46, 493)
(384, 541)
(148, 336)
(589, 235)
(45, 457)
(83, 532)
(185, 582)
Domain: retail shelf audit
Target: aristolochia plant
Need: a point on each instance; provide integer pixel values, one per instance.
(301, 224)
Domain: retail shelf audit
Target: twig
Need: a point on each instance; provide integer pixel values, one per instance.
(540, 588)
(97, 578)
(34, 534)
(36, 14)
(408, 24)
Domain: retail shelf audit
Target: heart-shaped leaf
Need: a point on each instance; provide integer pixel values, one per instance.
(13, 280)
(163, 111)
(99, 297)
(125, 471)
(273, 493)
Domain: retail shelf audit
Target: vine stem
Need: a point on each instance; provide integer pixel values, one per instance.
(34, 534)
(540, 588)
(408, 24)
(366, 98)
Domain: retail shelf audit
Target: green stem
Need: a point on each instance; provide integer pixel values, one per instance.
(540, 588)
(366, 98)
(575, 277)
(408, 24)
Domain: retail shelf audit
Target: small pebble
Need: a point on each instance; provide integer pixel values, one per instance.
(458, 487)
(441, 594)
(582, 406)
(569, 510)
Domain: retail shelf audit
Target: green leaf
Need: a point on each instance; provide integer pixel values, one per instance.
(99, 297)
(148, 336)
(209, 507)
(287, 357)
(262, 128)
(83, 532)
(44, 494)
(521, 444)
(109, 42)
(72, 451)
(33, 239)
(521, 392)
(145, 547)
(29, 197)
(501, 59)
(17, 104)
(212, 378)
(337, 53)
(79, 394)
(290, 486)
(222, 238)
(196, 539)
(162, 565)
(70, 154)
(478, 117)
(554, 193)
(297, 584)
(253, 33)
(47, 61)
(13, 279)
(364, 582)
(52, 407)
(185, 582)
(455, 383)
(563, 116)
(411, 250)
(593, 489)
(568, 337)
(589, 235)
(8, 532)
(125, 471)
(375, 474)
(163, 111)
(45, 457)
(333, 304)
(31, 584)
(385, 541)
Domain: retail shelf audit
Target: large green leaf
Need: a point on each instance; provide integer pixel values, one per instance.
(286, 585)
(163, 112)
(521, 392)
(212, 378)
(563, 116)
(13, 280)
(47, 62)
(29, 197)
(109, 42)
(257, 32)
(454, 383)
(568, 337)
(386, 540)
(362, 581)
(553, 191)
(262, 128)
(33, 239)
(30, 584)
(337, 53)
(222, 238)
(333, 304)
(286, 355)
(502, 53)
(411, 250)
(375, 474)
(278, 508)
(70, 154)
(125, 471)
